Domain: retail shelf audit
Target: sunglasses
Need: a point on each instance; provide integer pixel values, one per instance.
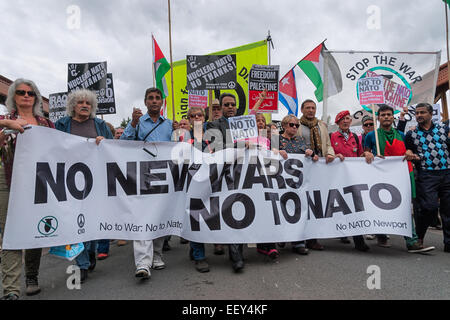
(229, 104)
(294, 125)
(23, 93)
(368, 124)
(196, 115)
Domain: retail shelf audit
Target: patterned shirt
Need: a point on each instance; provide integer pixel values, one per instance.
(9, 147)
(432, 146)
(295, 145)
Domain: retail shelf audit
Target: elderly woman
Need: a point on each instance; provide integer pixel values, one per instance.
(24, 107)
(81, 121)
(291, 143)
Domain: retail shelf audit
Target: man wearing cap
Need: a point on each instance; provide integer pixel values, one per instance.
(346, 144)
(368, 126)
(216, 110)
(317, 139)
(391, 143)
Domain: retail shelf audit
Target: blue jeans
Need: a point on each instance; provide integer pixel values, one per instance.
(83, 258)
(198, 250)
(103, 246)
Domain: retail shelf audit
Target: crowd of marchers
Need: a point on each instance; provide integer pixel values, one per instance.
(425, 148)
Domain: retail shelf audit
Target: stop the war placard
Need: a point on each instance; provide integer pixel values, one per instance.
(90, 76)
(57, 103)
(211, 72)
(260, 78)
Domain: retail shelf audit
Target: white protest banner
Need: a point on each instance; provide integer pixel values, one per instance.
(57, 106)
(370, 90)
(243, 128)
(264, 77)
(72, 191)
(198, 98)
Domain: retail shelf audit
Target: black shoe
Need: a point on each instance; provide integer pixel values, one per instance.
(235, 252)
(32, 286)
(345, 240)
(218, 249)
(191, 254)
(447, 248)
(201, 266)
(92, 261)
(238, 265)
(183, 241)
(362, 247)
(10, 296)
(83, 275)
(166, 245)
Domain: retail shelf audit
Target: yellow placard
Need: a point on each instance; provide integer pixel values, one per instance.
(246, 56)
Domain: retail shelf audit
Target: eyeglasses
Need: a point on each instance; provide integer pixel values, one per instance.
(294, 125)
(368, 124)
(229, 104)
(196, 115)
(23, 93)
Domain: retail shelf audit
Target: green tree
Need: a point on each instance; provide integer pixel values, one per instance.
(125, 122)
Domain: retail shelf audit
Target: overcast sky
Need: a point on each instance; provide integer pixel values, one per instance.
(41, 37)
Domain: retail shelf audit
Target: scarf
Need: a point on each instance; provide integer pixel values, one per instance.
(313, 125)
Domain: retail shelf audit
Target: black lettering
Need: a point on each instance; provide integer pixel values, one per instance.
(147, 177)
(231, 180)
(395, 194)
(335, 195)
(178, 179)
(88, 181)
(273, 197)
(297, 207)
(355, 190)
(288, 167)
(251, 178)
(227, 211)
(43, 177)
(197, 209)
(315, 206)
(128, 184)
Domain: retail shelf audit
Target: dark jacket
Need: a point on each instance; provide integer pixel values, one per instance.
(102, 129)
(223, 126)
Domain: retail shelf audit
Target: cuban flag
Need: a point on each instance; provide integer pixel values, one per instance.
(288, 93)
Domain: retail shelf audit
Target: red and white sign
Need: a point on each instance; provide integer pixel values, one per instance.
(198, 98)
(371, 90)
(395, 95)
(263, 77)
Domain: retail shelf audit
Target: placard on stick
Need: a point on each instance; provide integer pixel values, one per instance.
(211, 72)
(264, 77)
(243, 127)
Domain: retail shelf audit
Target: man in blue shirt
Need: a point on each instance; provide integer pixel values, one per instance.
(149, 127)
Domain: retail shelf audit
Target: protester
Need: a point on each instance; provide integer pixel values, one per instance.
(290, 142)
(216, 110)
(219, 137)
(428, 145)
(315, 134)
(81, 121)
(24, 108)
(118, 132)
(346, 144)
(149, 127)
(392, 144)
(367, 126)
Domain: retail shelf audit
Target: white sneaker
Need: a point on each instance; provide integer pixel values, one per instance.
(370, 237)
(143, 273)
(158, 264)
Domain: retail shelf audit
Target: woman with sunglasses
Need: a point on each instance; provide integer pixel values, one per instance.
(292, 143)
(24, 108)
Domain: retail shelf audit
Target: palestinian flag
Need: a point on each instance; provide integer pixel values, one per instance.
(313, 65)
(392, 144)
(161, 66)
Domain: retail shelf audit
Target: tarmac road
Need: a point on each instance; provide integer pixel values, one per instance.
(338, 272)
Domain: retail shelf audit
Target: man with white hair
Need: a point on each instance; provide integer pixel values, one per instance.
(81, 121)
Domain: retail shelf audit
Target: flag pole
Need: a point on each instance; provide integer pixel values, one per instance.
(153, 63)
(171, 62)
(377, 141)
(270, 43)
(445, 107)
